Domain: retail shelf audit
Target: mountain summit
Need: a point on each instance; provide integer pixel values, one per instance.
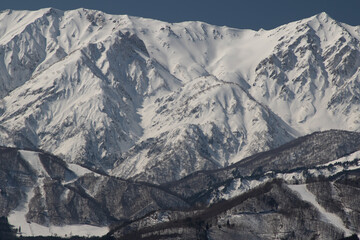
(142, 129)
(155, 101)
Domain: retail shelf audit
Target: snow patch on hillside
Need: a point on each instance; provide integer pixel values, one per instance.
(33, 159)
(329, 217)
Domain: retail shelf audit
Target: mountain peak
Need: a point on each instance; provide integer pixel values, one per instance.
(324, 17)
(74, 86)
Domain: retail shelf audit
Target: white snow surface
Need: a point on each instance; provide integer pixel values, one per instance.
(329, 217)
(79, 170)
(93, 87)
(17, 217)
(351, 157)
(33, 159)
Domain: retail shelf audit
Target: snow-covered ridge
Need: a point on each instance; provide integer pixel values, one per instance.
(144, 97)
(297, 181)
(18, 216)
(44, 196)
(242, 185)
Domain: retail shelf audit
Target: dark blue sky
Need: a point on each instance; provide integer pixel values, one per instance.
(252, 14)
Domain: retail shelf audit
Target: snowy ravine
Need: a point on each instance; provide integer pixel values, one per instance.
(156, 101)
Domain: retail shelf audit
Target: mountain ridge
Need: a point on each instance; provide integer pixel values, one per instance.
(111, 91)
(43, 190)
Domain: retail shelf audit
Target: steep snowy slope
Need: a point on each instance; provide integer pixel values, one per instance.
(162, 100)
(206, 125)
(80, 101)
(311, 78)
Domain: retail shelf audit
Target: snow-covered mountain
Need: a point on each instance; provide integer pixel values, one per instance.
(305, 189)
(312, 177)
(155, 101)
(43, 195)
